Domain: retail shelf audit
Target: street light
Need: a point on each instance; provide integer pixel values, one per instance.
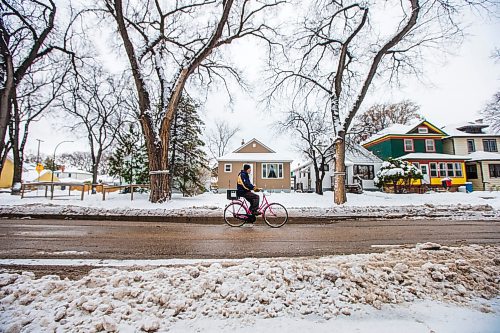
(54, 158)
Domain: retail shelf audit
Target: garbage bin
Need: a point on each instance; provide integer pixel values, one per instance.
(468, 187)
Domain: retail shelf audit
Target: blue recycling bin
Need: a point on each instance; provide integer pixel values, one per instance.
(468, 187)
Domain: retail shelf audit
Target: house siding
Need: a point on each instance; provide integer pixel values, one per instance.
(7, 174)
(461, 147)
(251, 149)
(484, 182)
(382, 149)
(228, 180)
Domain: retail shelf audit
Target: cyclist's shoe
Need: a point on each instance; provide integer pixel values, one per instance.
(256, 213)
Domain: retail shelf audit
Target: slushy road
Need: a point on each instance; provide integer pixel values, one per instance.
(154, 240)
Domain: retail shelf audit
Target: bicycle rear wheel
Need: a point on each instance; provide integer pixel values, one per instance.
(275, 215)
(234, 214)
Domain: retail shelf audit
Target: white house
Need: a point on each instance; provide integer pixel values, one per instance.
(361, 167)
(73, 175)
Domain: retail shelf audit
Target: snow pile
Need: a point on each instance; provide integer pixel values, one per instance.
(476, 205)
(152, 299)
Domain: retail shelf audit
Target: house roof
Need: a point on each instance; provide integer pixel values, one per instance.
(484, 156)
(432, 156)
(74, 170)
(32, 175)
(252, 141)
(254, 157)
(454, 130)
(400, 129)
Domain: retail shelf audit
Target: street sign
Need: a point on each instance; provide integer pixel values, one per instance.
(39, 167)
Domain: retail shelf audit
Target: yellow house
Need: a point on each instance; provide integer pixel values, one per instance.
(7, 174)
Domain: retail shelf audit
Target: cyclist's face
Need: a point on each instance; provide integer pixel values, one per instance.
(249, 170)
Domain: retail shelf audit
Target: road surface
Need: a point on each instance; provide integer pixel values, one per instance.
(153, 240)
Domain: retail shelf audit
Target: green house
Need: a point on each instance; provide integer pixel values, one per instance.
(399, 140)
(421, 144)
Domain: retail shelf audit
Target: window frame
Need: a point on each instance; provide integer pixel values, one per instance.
(371, 171)
(279, 170)
(494, 170)
(230, 167)
(412, 145)
(490, 149)
(433, 145)
(423, 130)
(471, 145)
(433, 169)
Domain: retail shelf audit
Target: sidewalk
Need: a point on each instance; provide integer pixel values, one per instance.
(302, 207)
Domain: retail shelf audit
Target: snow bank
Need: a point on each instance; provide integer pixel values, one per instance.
(250, 290)
(476, 205)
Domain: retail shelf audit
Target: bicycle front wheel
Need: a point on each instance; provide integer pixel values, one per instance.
(234, 213)
(275, 215)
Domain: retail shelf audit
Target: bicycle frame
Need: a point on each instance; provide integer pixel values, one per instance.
(263, 205)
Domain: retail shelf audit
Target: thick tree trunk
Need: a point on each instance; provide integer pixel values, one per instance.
(339, 194)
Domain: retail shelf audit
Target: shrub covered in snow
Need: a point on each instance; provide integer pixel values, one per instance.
(400, 174)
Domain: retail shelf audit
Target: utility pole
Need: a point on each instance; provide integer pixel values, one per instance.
(38, 152)
(38, 159)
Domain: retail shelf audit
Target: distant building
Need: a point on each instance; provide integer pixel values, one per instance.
(480, 146)
(270, 170)
(420, 143)
(361, 167)
(72, 174)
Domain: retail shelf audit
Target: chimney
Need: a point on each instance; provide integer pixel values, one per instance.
(242, 142)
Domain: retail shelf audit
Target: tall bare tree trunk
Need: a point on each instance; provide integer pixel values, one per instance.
(339, 195)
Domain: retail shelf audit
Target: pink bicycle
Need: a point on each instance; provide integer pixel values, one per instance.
(238, 213)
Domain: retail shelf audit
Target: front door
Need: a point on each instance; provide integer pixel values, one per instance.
(425, 172)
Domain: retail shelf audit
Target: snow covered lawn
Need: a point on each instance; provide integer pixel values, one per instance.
(475, 205)
(423, 289)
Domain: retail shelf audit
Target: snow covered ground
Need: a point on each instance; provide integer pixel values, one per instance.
(475, 205)
(423, 289)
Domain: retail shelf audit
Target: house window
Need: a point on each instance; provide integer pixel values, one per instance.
(490, 145)
(458, 169)
(272, 170)
(416, 164)
(450, 172)
(408, 144)
(442, 169)
(434, 171)
(69, 175)
(325, 167)
(471, 171)
(228, 167)
(471, 146)
(365, 172)
(494, 170)
(430, 145)
(423, 130)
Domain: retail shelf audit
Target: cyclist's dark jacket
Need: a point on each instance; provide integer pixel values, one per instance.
(244, 184)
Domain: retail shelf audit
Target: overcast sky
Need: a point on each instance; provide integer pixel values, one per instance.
(456, 88)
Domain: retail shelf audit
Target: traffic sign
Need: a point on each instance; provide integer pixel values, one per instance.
(39, 167)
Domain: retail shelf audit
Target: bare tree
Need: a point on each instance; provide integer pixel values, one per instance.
(336, 55)
(218, 138)
(78, 159)
(95, 99)
(27, 40)
(315, 140)
(170, 43)
(491, 113)
(380, 116)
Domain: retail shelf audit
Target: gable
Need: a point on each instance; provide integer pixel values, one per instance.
(254, 146)
(426, 127)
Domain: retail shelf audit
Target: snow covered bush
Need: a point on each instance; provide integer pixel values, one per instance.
(400, 174)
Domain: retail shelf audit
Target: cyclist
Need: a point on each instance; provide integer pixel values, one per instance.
(245, 187)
